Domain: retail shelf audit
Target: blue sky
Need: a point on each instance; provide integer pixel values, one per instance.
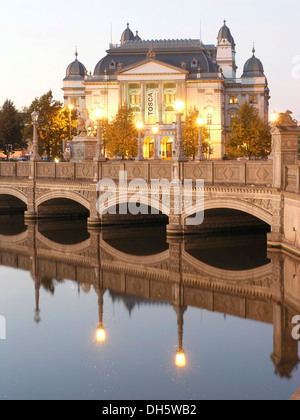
(38, 39)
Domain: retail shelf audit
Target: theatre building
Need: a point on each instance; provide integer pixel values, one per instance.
(150, 75)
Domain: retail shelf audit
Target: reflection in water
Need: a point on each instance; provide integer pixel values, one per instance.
(229, 275)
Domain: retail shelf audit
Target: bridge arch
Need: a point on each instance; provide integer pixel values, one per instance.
(232, 204)
(13, 192)
(63, 195)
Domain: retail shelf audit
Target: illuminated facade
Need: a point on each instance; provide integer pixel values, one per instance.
(149, 76)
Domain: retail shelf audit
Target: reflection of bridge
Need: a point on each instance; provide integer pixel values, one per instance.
(267, 190)
(269, 294)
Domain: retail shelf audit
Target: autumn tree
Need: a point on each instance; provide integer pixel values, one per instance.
(250, 136)
(11, 126)
(53, 125)
(121, 135)
(190, 134)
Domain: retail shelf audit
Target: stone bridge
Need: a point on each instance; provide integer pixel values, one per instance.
(269, 294)
(268, 190)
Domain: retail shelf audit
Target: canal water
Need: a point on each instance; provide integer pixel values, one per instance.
(102, 315)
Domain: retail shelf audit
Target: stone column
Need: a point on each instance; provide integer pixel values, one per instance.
(160, 103)
(143, 102)
(285, 133)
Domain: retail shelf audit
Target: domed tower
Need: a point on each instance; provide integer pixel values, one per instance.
(257, 90)
(75, 70)
(253, 67)
(74, 91)
(127, 35)
(226, 52)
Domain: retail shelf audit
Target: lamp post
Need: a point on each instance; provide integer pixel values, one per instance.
(99, 157)
(71, 107)
(200, 156)
(155, 132)
(180, 358)
(140, 155)
(179, 155)
(35, 157)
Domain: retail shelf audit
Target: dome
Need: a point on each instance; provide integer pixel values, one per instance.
(127, 35)
(137, 38)
(76, 69)
(253, 67)
(224, 33)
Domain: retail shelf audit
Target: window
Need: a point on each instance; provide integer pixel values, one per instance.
(209, 118)
(134, 96)
(169, 98)
(75, 102)
(253, 99)
(233, 99)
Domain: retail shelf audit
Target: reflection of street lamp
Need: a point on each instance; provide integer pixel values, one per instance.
(155, 132)
(179, 155)
(99, 155)
(180, 359)
(71, 107)
(35, 157)
(200, 155)
(139, 126)
(100, 333)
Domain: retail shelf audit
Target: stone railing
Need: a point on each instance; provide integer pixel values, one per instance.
(243, 173)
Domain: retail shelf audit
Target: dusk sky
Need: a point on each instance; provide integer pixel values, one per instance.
(38, 39)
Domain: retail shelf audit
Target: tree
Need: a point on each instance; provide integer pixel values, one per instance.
(53, 125)
(11, 126)
(250, 136)
(190, 134)
(120, 135)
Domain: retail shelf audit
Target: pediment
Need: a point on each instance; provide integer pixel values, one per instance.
(151, 67)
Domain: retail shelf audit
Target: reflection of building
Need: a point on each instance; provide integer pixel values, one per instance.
(149, 76)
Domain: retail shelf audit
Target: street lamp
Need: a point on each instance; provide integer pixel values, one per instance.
(71, 107)
(140, 155)
(179, 155)
(99, 155)
(200, 156)
(35, 157)
(155, 132)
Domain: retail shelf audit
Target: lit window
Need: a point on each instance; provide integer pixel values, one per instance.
(233, 99)
(209, 119)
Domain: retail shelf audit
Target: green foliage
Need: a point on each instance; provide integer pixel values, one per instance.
(53, 124)
(11, 126)
(250, 136)
(120, 136)
(190, 135)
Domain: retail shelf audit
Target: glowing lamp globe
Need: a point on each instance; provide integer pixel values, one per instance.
(200, 121)
(273, 117)
(179, 105)
(139, 125)
(99, 113)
